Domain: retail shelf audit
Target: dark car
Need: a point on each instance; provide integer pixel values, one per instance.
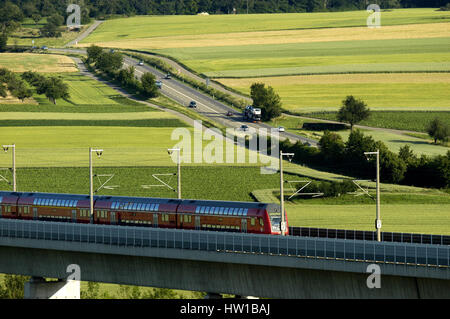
(229, 113)
(193, 104)
(168, 76)
(244, 128)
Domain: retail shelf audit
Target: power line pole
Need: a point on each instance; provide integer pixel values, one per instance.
(13, 147)
(91, 182)
(283, 223)
(170, 151)
(378, 218)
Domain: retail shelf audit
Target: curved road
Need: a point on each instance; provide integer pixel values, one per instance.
(206, 105)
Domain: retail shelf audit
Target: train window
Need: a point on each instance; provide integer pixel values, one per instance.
(235, 211)
(207, 210)
(152, 207)
(138, 206)
(246, 211)
(216, 212)
(147, 207)
(202, 208)
(241, 211)
(197, 209)
(156, 207)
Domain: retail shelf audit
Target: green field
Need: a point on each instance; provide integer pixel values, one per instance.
(315, 93)
(406, 120)
(416, 218)
(29, 31)
(161, 26)
(393, 55)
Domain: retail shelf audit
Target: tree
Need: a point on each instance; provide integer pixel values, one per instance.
(3, 42)
(13, 287)
(93, 53)
(36, 18)
(54, 88)
(353, 111)
(267, 100)
(407, 155)
(51, 29)
(149, 88)
(438, 130)
(331, 146)
(109, 61)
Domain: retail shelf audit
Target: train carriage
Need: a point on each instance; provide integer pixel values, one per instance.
(8, 205)
(228, 216)
(54, 207)
(137, 211)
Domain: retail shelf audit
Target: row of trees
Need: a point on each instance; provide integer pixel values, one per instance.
(101, 8)
(348, 158)
(52, 87)
(111, 63)
(10, 82)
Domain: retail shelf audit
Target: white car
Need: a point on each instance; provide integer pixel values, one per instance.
(280, 129)
(141, 63)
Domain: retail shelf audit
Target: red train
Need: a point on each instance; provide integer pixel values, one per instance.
(246, 217)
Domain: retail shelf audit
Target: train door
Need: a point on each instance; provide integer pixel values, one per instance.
(155, 220)
(244, 225)
(113, 218)
(74, 215)
(197, 222)
(35, 213)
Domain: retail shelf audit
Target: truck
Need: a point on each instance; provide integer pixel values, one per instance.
(252, 114)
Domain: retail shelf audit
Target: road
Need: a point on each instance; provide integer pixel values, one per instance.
(206, 105)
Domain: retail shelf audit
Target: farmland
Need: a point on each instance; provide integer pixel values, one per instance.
(37, 62)
(314, 93)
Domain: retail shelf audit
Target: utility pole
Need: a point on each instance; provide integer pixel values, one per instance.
(378, 218)
(283, 223)
(13, 147)
(91, 182)
(170, 151)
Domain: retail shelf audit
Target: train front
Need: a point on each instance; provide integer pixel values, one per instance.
(274, 217)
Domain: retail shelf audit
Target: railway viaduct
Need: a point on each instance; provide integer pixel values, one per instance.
(240, 264)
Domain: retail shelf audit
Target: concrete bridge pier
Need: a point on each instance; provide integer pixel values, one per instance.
(39, 288)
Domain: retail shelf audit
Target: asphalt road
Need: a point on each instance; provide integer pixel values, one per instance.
(206, 105)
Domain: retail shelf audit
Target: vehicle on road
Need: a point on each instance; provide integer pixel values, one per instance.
(158, 84)
(244, 128)
(140, 63)
(44, 48)
(229, 113)
(280, 129)
(252, 114)
(193, 104)
(168, 76)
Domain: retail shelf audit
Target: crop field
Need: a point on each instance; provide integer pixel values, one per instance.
(43, 63)
(313, 93)
(418, 54)
(29, 31)
(148, 27)
(416, 218)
